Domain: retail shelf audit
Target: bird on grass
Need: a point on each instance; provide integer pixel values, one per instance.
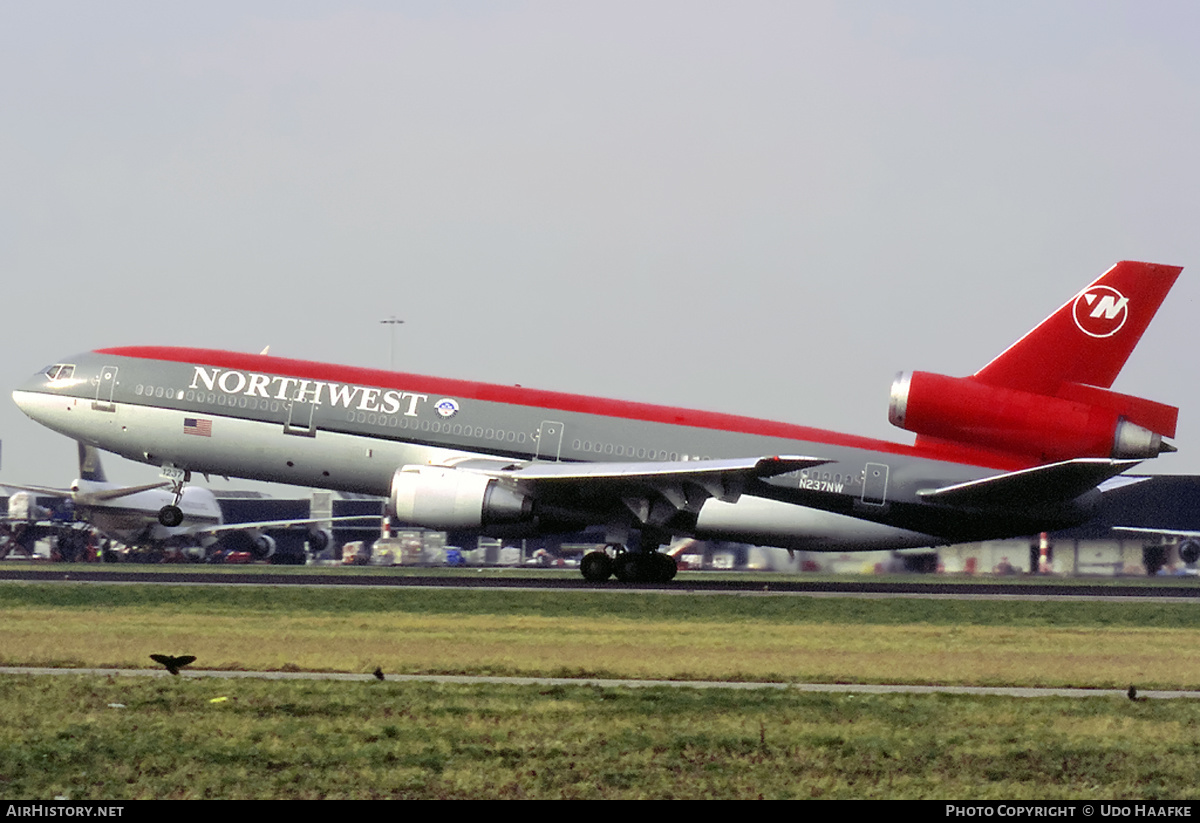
(378, 673)
(1132, 693)
(173, 664)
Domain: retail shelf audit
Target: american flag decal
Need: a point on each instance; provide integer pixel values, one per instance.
(197, 426)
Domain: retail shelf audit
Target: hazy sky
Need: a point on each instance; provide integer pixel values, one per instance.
(754, 207)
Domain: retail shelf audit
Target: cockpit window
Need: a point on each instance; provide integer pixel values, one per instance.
(65, 373)
(60, 371)
(52, 371)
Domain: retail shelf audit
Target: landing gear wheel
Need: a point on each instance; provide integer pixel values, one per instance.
(170, 516)
(664, 567)
(645, 567)
(596, 567)
(629, 567)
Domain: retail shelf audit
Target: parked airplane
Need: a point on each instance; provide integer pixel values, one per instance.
(1017, 448)
(129, 514)
(1187, 541)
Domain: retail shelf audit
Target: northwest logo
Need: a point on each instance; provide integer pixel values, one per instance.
(1101, 311)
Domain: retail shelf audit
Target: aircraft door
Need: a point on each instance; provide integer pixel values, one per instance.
(550, 436)
(300, 409)
(875, 481)
(106, 383)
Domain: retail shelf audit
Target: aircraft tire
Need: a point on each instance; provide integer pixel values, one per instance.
(596, 567)
(665, 568)
(170, 516)
(628, 568)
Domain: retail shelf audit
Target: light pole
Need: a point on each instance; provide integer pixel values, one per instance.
(392, 321)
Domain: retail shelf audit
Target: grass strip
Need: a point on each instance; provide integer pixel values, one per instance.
(131, 738)
(771, 638)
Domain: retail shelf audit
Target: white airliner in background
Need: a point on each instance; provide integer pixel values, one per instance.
(130, 514)
(1021, 446)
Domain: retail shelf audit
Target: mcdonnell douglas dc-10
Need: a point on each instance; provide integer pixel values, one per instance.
(1021, 446)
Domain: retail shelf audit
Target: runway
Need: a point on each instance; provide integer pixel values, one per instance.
(832, 688)
(1167, 589)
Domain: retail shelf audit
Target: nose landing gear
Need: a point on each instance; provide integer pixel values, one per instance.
(171, 515)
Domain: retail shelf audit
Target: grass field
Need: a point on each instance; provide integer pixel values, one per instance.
(113, 738)
(607, 634)
(127, 738)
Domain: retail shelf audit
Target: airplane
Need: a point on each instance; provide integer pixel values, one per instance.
(129, 514)
(1021, 446)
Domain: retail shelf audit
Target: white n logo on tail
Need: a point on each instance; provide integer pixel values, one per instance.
(1101, 311)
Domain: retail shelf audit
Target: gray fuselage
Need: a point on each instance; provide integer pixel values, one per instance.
(350, 429)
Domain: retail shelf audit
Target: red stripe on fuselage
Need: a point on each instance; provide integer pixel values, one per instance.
(556, 401)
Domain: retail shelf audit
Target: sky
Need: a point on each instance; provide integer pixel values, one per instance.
(763, 208)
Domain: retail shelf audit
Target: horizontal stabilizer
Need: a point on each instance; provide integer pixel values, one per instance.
(1036, 487)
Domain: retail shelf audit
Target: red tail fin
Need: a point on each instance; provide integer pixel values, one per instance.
(1089, 339)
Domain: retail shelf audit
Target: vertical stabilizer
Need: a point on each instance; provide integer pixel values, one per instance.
(89, 464)
(1089, 339)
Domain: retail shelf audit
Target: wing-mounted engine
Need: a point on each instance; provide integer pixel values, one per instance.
(1075, 421)
(260, 546)
(319, 540)
(445, 498)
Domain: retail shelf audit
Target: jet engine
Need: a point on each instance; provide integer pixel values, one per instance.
(260, 546)
(1189, 551)
(441, 498)
(319, 540)
(1077, 421)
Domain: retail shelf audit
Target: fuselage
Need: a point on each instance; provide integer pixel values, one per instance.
(345, 428)
(133, 519)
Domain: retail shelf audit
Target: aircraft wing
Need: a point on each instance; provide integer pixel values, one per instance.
(1056, 482)
(695, 470)
(655, 493)
(280, 524)
(96, 496)
(1184, 533)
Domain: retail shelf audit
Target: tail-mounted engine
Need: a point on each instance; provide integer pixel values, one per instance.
(440, 498)
(1077, 421)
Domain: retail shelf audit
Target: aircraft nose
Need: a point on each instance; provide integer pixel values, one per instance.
(31, 395)
(26, 397)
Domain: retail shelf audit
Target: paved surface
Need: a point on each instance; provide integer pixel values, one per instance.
(1172, 589)
(842, 688)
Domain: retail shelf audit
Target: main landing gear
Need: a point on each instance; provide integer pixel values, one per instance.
(627, 566)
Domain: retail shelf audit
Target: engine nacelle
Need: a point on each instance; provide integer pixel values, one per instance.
(1086, 422)
(1189, 550)
(319, 540)
(260, 546)
(440, 498)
